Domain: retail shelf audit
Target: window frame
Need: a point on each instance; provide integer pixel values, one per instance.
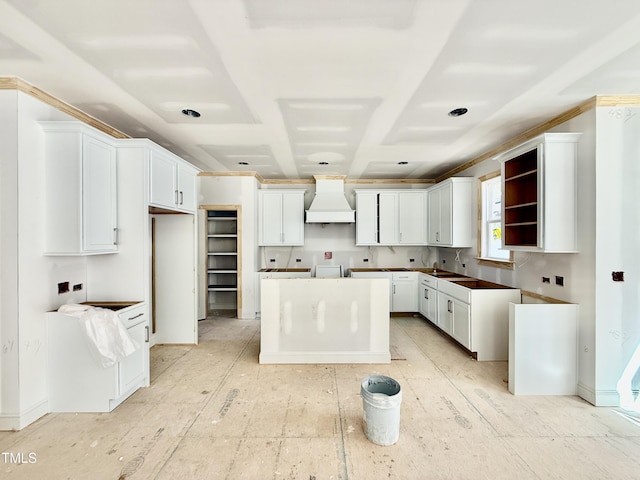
(493, 262)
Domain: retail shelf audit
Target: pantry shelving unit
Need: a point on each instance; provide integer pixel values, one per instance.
(223, 261)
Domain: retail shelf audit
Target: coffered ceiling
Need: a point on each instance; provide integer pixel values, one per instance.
(293, 88)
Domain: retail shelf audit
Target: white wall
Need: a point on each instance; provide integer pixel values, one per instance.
(29, 279)
(617, 238)
(238, 191)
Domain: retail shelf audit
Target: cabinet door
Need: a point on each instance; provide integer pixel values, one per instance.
(388, 208)
(133, 369)
(405, 298)
(433, 217)
(424, 300)
(163, 189)
(461, 329)
(186, 189)
(432, 304)
(271, 222)
(367, 218)
(292, 219)
(99, 205)
(446, 215)
(412, 218)
(445, 312)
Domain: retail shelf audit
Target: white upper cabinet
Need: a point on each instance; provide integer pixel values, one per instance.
(172, 182)
(450, 213)
(539, 192)
(281, 217)
(366, 217)
(81, 190)
(391, 217)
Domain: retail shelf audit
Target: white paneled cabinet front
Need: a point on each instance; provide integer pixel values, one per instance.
(77, 380)
(81, 190)
(281, 217)
(404, 292)
(171, 183)
(391, 217)
(367, 218)
(449, 216)
(428, 297)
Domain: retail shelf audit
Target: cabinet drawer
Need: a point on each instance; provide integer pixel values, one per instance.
(428, 280)
(455, 290)
(133, 315)
(404, 276)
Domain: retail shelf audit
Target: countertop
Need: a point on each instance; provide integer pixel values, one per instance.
(392, 269)
(284, 270)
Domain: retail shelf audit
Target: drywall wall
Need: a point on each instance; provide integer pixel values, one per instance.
(237, 190)
(29, 279)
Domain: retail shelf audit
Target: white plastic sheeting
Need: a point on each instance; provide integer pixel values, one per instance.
(107, 338)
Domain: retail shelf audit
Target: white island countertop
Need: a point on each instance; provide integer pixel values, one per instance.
(325, 320)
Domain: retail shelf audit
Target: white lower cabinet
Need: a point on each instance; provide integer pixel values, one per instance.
(428, 297)
(404, 296)
(77, 381)
(455, 319)
(476, 314)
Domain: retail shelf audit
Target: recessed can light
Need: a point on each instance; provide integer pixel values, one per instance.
(190, 113)
(243, 163)
(403, 163)
(457, 112)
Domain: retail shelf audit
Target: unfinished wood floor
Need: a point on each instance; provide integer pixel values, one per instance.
(212, 412)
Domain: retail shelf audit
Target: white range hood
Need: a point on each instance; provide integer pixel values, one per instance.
(329, 204)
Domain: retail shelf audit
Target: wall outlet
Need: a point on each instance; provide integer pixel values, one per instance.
(63, 287)
(559, 281)
(412, 260)
(298, 260)
(272, 260)
(546, 280)
(365, 260)
(77, 287)
(617, 276)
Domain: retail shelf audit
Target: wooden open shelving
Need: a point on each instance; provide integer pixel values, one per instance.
(521, 200)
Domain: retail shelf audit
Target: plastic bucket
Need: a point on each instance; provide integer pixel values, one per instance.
(381, 399)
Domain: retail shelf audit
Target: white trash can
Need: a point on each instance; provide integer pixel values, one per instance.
(381, 399)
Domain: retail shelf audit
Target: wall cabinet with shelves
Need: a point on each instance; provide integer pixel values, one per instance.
(540, 194)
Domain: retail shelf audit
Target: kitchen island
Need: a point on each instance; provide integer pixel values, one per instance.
(325, 320)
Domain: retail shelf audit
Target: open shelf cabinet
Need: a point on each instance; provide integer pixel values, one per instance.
(539, 189)
(222, 261)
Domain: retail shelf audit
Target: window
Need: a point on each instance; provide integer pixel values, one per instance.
(490, 220)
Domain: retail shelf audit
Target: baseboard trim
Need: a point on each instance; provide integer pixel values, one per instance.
(18, 421)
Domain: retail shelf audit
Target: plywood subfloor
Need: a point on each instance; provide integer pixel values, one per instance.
(212, 412)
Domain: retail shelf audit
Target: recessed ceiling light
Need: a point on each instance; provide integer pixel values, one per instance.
(403, 163)
(457, 112)
(190, 113)
(243, 163)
